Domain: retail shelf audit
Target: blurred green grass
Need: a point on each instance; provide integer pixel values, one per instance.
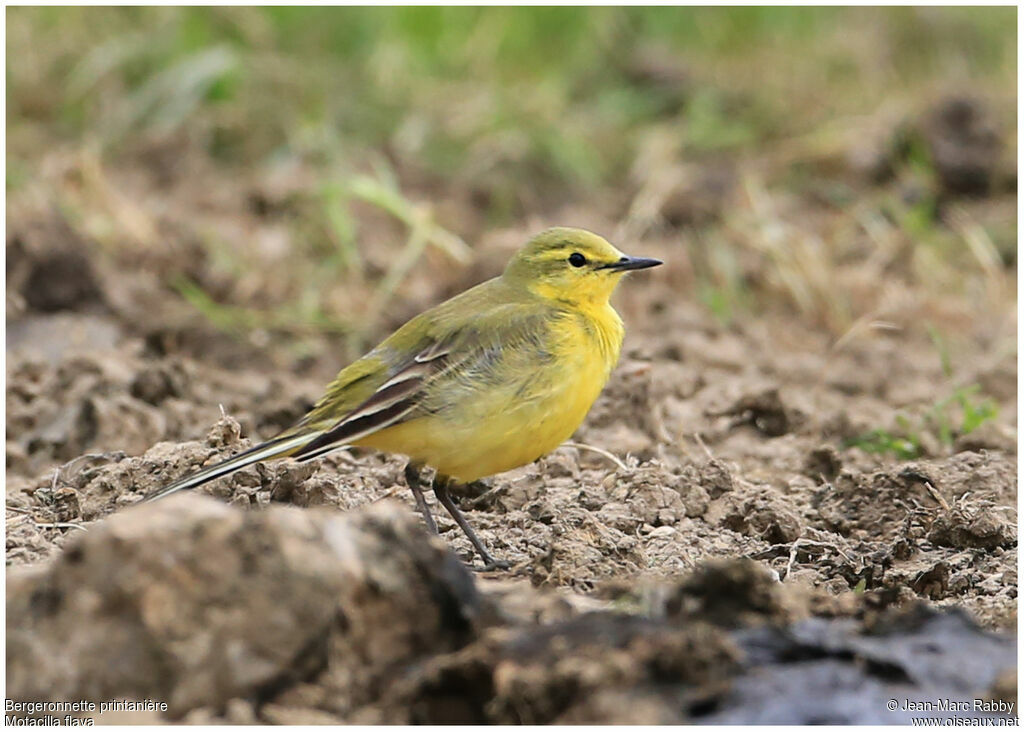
(558, 91)
(387, 112)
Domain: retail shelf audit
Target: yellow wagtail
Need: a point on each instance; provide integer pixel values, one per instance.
(490, 380)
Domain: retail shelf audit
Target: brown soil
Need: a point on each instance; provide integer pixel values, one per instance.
(315, 616)
(731, 444)
(731, 441)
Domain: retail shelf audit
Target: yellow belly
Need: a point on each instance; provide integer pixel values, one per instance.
(499, 429)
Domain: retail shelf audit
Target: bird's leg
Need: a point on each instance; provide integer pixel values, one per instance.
(412, 478)
(441, 483)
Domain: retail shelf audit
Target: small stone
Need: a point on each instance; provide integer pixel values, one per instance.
(663, 532)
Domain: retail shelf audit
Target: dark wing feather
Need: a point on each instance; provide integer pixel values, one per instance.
(390, 404)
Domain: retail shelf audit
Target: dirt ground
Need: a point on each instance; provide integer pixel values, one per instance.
(715, 439)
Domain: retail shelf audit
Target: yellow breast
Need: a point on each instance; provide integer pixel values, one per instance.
(536, 411)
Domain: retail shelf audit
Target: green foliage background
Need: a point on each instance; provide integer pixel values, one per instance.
(560, 91)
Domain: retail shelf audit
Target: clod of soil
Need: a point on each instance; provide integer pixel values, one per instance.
(964, 143)
(47, 263)
(764, 410)
(966, 527)
(195, 603)
(730, 594)
(564, 673)
(759, 512)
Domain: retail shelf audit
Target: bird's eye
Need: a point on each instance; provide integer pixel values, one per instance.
(577, 260)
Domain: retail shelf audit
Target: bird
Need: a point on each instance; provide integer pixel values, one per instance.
(487, 381)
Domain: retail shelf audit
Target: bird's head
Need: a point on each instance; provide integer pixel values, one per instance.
(572, 266)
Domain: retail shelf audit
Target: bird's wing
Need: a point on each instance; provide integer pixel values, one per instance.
(412, 386)
(389, 404)
(477, 340)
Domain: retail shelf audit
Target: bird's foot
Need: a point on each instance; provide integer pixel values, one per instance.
(492, 565)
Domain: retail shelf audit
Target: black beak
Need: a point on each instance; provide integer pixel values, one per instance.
(628, 263)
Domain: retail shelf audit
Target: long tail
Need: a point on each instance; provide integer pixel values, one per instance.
(276, 447)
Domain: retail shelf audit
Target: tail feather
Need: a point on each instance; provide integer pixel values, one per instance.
(319, 452)
(274, 448)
